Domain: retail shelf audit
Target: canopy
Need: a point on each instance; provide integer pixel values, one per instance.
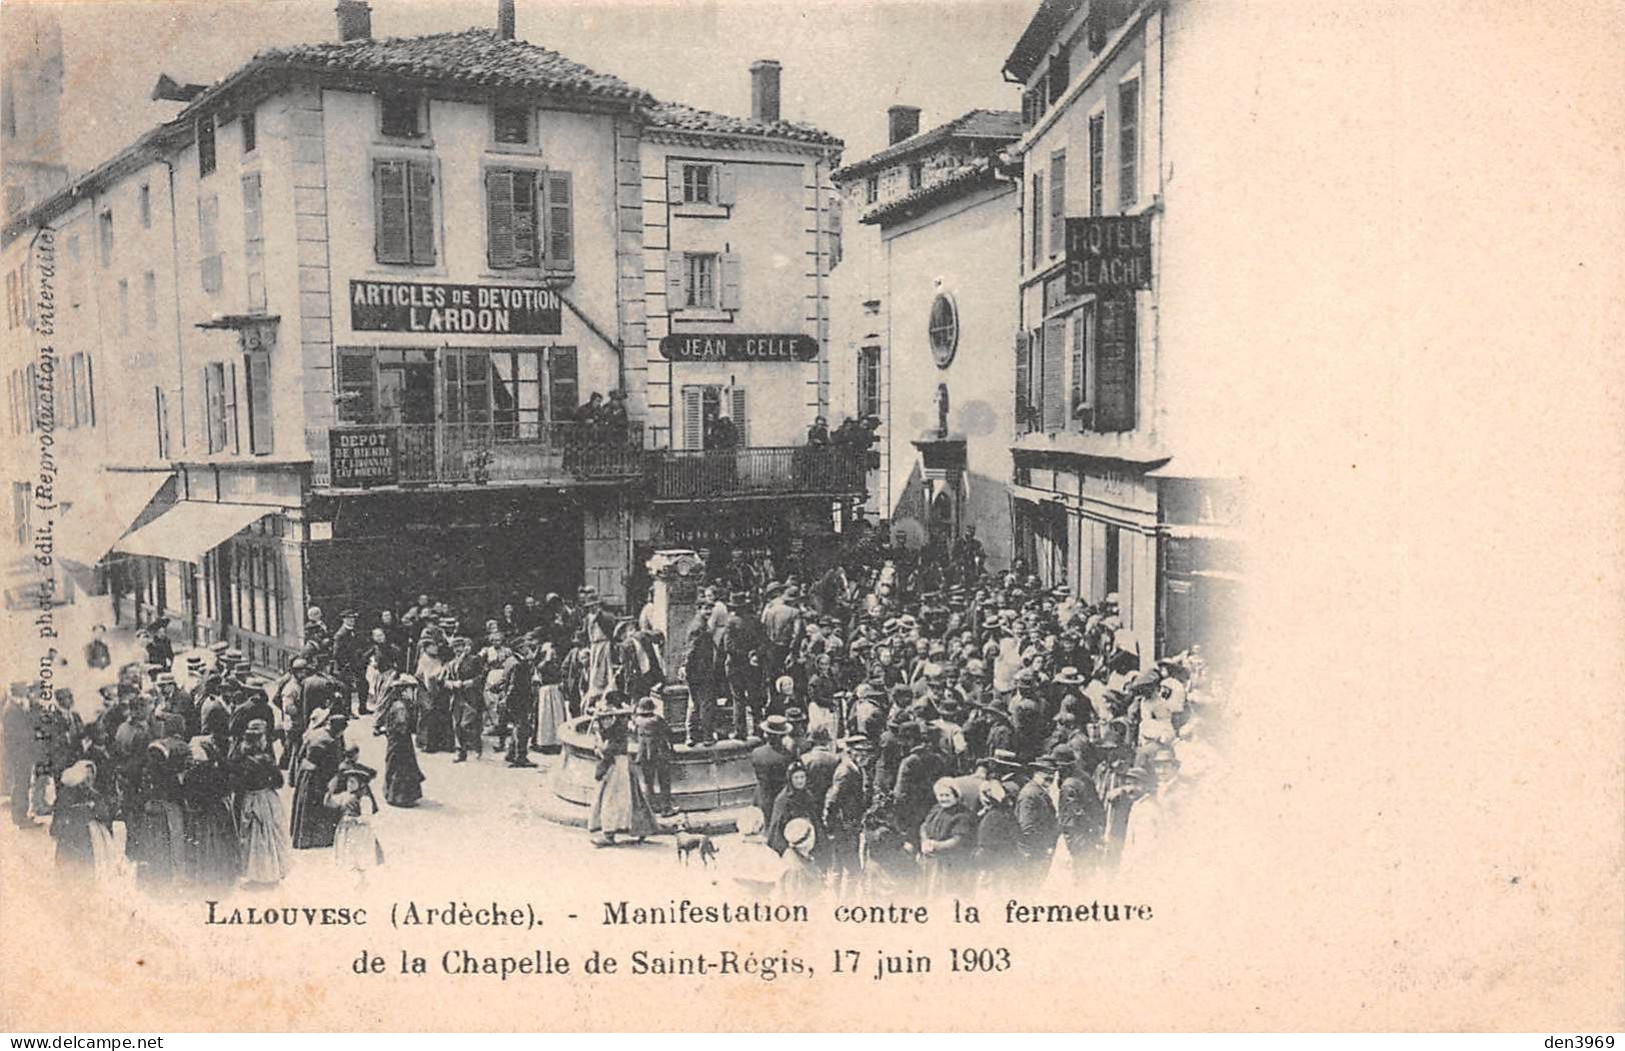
(93, 523)
(189, 530)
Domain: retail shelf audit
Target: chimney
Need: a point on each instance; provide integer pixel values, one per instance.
(505, 19)
(355, 20)
(903, 122)
(764, 89)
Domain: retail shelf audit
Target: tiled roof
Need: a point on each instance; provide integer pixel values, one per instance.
(967, 176)
(473, 56)
(998, 124)
(678, 117)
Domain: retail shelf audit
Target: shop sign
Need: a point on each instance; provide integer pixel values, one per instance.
(739, 347)
(1108, 254)
(361, 456)
(484, 310)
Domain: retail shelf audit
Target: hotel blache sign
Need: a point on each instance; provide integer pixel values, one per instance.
(484, 310)
(1108, 254)
(739, 347)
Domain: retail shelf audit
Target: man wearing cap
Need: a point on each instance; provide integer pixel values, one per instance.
(465, 679)
(1038, 824)
(845, 802)
(741, 643)
(653, 758)
(519, 703)
(914, 793)
(349, 661)
(1081, 816)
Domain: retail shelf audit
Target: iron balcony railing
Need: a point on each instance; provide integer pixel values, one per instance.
(479, 453)
(778, 470)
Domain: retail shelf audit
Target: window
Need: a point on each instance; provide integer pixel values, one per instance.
(210, 263)
(1097, 164)
(404, 195)
(220, 405)
(1128, 142)
(254, 242)
(145, 199)
(123, 307)
(1035, 101)
(1053, 400)
(250, 131)
(517, 390)
(254, 580)
(704, 406)
(1083, 334)
(104, 230)
(149, 292)
(82, 407)
(700, 280)
(1038, 220)
(699, 184)
(1060, 73)
(205, 146)
(1057, 202)
(160, 421)
(1115, 354)
(398, 116)
(871, 189)
(257, 380)
(943, 329)
(869, 381)
(528, 219)
(513, 220)
(510, 125)
(916, 175)
(1113, 558)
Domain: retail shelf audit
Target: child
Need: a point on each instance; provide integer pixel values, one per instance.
(355, 847)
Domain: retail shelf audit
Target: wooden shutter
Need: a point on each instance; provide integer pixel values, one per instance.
(1023, 381)
(211, 408)
(389, 191)
(358, 385)
(1057, 202)
(564, 387)
(257, 370)
(731, 276)
(231, 407)
(1115, 354)
(561, 241)
(499, 249)
(726, 182)
(674, 183)
(1055, 399)
(422, 213)
(737, 403)
(693, 418)
(676, 281)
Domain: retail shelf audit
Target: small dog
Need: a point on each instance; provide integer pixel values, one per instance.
(689, 843)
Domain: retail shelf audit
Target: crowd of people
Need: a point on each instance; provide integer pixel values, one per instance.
(914, 722)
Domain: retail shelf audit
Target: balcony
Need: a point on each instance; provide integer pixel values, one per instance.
(810, 470)
(373, 455)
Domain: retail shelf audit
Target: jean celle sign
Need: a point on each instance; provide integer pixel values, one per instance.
(1108, 254)
(739, 347)
(485, 310)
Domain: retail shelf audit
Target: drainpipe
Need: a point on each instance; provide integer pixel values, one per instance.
(175, 271)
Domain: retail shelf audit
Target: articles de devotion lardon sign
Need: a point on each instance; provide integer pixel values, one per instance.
(412, 306)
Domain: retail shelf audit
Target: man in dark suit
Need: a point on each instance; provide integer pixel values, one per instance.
(349, 661)
(845, 803)
(915, 791)
(1035, 816)
(771, 764)
(1081, 817)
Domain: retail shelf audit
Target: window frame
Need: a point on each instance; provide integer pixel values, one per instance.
(538, 234)
(869, 381)
(691, 171)
(208, 147)
(1038, 221)
(916, 176)
(105, 237)
(1057, 202)
(144, 202)
(692, 260)
(532, 140)
(1097, 159)
(420, 116)
(248, 123)
(409, 166)
(871, 189)
(1129, 140)
(944, 351)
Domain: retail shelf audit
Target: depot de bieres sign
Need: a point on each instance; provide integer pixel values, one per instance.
(486, 310)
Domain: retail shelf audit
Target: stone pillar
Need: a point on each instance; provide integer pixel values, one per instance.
(676, 573)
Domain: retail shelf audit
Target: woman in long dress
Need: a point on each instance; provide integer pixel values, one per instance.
(355, 846)
(317, 762)
(551, 712)
(211, 827)
(397, 721)
(261, 817)
(621, 807)
(948, 842)
(80, 824)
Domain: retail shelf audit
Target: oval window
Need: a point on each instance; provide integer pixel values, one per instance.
(944, 329)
